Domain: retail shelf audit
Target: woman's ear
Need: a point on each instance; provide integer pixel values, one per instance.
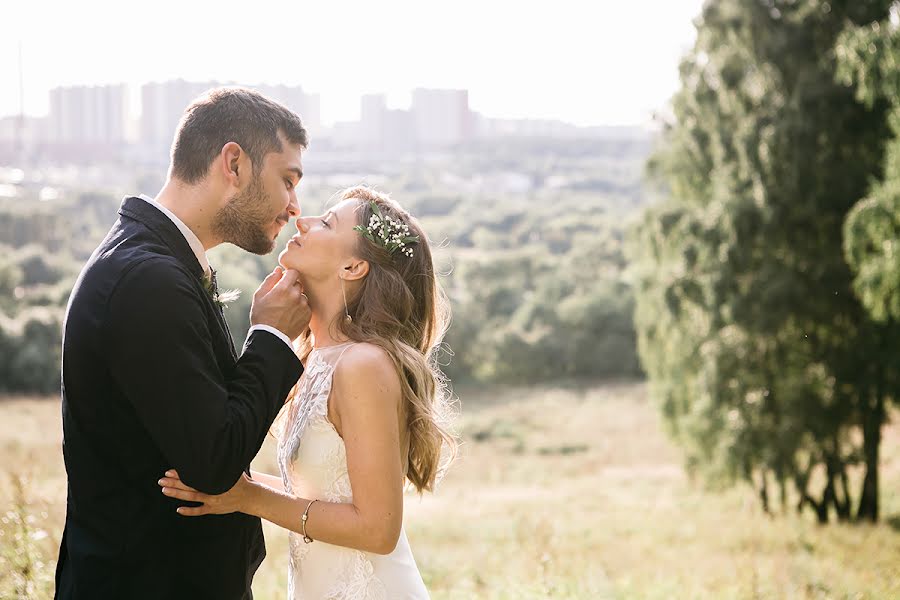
(356, 270)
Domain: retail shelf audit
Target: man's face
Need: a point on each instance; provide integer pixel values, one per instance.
(253, 218)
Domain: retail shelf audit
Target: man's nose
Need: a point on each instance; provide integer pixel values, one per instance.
(294, 206)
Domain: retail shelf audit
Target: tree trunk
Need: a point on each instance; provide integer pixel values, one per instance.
(873, 417)
(782, 488)
(801, 480)
(828, 498)
(837, 475)
(821, 508)
(848, 500)
(764, 491)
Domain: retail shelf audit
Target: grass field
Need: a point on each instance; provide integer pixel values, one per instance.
(558, 493)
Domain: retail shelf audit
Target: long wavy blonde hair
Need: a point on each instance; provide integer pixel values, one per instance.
(401, 307)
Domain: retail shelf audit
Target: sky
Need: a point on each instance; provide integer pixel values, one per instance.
(588, 62)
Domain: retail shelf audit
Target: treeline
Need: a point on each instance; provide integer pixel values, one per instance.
(767, 282)
(42, 248)
(534, 270)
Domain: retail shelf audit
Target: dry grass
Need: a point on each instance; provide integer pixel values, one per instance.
(558, 493)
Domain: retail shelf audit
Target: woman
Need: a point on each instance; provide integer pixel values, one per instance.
(368, 414)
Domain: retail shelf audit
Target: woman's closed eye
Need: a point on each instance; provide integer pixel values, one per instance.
(325, 223)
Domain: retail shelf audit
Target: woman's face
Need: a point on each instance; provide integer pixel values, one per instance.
(323, 245)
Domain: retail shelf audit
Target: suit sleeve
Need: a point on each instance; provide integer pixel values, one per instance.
(208, 427)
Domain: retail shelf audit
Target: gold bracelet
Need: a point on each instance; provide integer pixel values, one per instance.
(305, 518)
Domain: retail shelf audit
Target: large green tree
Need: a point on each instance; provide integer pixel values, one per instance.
(868, 57)
(748, 325)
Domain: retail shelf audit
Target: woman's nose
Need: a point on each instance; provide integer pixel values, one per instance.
(302, 227)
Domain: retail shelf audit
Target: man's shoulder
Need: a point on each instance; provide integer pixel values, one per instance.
(118, 260)
(157, 287)
(154, 273)
(125, 264)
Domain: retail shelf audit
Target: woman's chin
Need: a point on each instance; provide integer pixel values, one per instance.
(285, 260)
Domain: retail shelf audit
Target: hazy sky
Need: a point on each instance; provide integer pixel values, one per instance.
(589, 62)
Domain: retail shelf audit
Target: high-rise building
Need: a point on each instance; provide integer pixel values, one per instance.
(399, 132)
(384, 130)
(441, 117)
(89, 115)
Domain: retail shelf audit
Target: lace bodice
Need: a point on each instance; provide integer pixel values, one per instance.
(313, 463)
(324, 474)
(312, 459)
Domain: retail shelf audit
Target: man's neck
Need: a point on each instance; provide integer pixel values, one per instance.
(194, 206)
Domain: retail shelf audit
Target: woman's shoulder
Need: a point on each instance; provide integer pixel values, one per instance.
(367, 367)
(365, 358)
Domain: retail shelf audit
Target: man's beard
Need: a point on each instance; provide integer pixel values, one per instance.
(245, 220)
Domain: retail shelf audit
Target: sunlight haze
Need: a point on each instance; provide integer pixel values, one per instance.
(588, 63)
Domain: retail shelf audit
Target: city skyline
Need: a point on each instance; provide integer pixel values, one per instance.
(98, 115)
(91, 122)
(601, 64)
(136, 97)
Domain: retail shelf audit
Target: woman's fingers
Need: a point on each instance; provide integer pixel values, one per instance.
(176, 484)
(170, 482)
(173, 487)
(189, 495)
(192, 511)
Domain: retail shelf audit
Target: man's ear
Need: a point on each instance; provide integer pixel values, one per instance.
(356, 270)
(234, 164)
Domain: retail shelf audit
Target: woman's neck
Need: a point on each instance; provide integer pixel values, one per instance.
(327, 307)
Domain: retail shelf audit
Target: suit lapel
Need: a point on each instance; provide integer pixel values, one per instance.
(223, 322)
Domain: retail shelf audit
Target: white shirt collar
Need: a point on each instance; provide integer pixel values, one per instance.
(192, 240)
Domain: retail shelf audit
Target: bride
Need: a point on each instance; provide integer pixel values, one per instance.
(368, 415)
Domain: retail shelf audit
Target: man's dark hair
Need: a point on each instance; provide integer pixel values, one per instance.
(231, 114)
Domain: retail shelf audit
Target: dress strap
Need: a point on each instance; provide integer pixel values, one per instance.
(341, 355)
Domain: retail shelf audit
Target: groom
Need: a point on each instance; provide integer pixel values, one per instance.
(151, 378)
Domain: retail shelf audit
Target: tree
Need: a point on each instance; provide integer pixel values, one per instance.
(762, 356)
(868, 56)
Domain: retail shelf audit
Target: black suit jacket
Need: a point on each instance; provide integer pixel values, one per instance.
(151, 381)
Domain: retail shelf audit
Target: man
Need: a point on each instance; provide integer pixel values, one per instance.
(151, 379)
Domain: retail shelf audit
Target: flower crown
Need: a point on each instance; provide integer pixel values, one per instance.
(390, 234)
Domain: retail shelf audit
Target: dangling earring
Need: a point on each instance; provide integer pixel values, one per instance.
(347, 318)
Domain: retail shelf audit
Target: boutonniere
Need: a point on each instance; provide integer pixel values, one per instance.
(220, 298)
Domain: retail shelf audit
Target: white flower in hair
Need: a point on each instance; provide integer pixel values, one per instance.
(387, 232)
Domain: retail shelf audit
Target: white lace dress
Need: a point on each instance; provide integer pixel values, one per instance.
(313, 463)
